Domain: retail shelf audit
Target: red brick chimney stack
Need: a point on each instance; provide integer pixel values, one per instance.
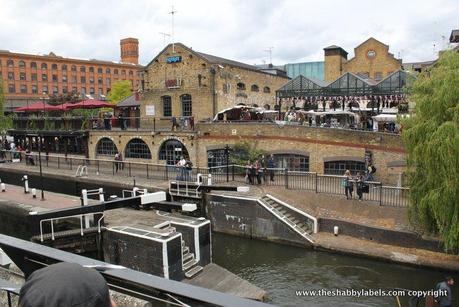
(129, 50)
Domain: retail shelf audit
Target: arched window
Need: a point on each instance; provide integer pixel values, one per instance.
(91, 69)
(73, 68)
(340, 166)
(131, 73)
(266, 89)
(44, 66)
(171, 151)
(106, 147)
(10, 63)
(115, 71)
(54, 66)
(254, 88)
(123, 72)
(100, 70)
(241, 86)
(64, 67)
(82, 69)
(186, 105)
(138, 149)
(21, 64)
(293, 162)
(107, 70)
(33, 65)
(167, 105)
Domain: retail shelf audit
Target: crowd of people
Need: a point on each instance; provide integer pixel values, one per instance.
(260, 170)
(360, 180)
(184, 169)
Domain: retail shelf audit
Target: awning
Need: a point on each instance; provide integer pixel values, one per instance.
(39, 106)
(90, 104)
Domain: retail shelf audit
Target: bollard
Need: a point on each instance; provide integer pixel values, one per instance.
(145, 191)
(101, 195)
(3, 187)
(26, 184)
(134, 191)
(84, 195)
(209, 179)
(335, 230)
(34, 193)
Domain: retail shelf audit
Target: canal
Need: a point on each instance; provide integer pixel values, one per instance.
(281, 270)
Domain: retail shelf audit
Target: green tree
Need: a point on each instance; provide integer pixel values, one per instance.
(431, 136)
(6, 122)
(245, 151)
(120, 90)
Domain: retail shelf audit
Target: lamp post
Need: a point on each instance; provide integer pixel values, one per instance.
(39, 163)
(227, 149)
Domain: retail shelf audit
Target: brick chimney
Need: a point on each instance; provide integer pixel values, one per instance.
(129, 50)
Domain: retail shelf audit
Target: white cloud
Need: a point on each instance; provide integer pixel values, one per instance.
(237, 29)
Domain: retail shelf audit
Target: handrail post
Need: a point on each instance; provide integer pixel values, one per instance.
(113, 168)
(380, 193)
(167, 175)
(147, 172)
(286, 178)
(233, 171)
(71, 163)
(58, 162)
(316, 179)
(129, 163)
(98, 169)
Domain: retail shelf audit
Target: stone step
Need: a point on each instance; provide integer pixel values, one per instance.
(189, 265)
(187, 257)
(193, 271)
(185, 250)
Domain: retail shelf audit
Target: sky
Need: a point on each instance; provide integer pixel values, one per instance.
(240, 30)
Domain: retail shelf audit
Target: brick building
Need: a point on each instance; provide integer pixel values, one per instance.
(372, 59)
(181, 82)
(28, 78)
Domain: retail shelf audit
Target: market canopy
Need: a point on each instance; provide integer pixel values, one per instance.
(39, 106)
(90, 104)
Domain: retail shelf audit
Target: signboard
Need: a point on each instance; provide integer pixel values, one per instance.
(150, 110)
(174, 59)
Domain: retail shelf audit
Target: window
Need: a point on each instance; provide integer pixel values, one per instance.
(10, 75)
(55, 90)
(11, 88)
(167, 106)
(64, 67)
(100, 81)
(115, 71)
(10, 63)
(64, 90)
(254, 88)
(100, 70)
(216, 157)
(73, 68)
(91, 91)
(34, 89)
(241, 86)
(22, 76)
(54, 78)
(91, 69)
(54, 67)
(108, 81)
(339, 167)
(74, 79)
(33, 65)
(107, 71)
(44, 89)
(91, 80)
(44, 77)
(33, 77)
(21, 64)
(82, 69)
(44, 66)
(186, 105)
(123, 72)
(83, 90)
(74, 90)
(83, 79)
(131, 73)
(100, 91)
(106, 147)
(64, 79)
(136, 148)
(171, 151)
(292, 162)
(266, 89)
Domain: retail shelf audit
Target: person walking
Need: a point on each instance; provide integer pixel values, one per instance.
(271, 165)
(347, 182)
(445, 298)
(359, 182)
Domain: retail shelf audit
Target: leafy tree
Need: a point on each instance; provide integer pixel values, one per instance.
(431, 137)
(120, 90)
(6, 122)
(245, 151)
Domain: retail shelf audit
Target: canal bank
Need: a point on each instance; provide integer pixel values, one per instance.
(362, 244)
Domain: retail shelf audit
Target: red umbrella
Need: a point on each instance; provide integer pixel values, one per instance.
(90, 104)
(38, 107)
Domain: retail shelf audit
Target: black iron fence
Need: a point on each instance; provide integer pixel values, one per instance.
(294, 180)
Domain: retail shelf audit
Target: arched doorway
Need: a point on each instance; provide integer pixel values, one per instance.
(171, 151)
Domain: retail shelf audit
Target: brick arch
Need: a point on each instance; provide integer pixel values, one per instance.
(104, 141)
(135, 149)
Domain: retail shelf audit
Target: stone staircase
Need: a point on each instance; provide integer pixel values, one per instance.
(298, 221)
(189, 263)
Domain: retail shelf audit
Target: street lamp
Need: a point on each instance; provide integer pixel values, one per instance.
(39, 163)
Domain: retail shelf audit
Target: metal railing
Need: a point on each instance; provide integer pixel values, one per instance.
(385, 195)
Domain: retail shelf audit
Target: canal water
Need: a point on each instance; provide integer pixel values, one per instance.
(281, 270)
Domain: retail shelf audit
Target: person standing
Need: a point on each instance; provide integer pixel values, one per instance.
(446, 297)
(188, 169)
(120, 159)
(181, 168)
(262, 170)
(253, 172)
(348, 184)
(271, 166)
(248, 175)
(360, 182)
(257, 171)
(117, 157)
